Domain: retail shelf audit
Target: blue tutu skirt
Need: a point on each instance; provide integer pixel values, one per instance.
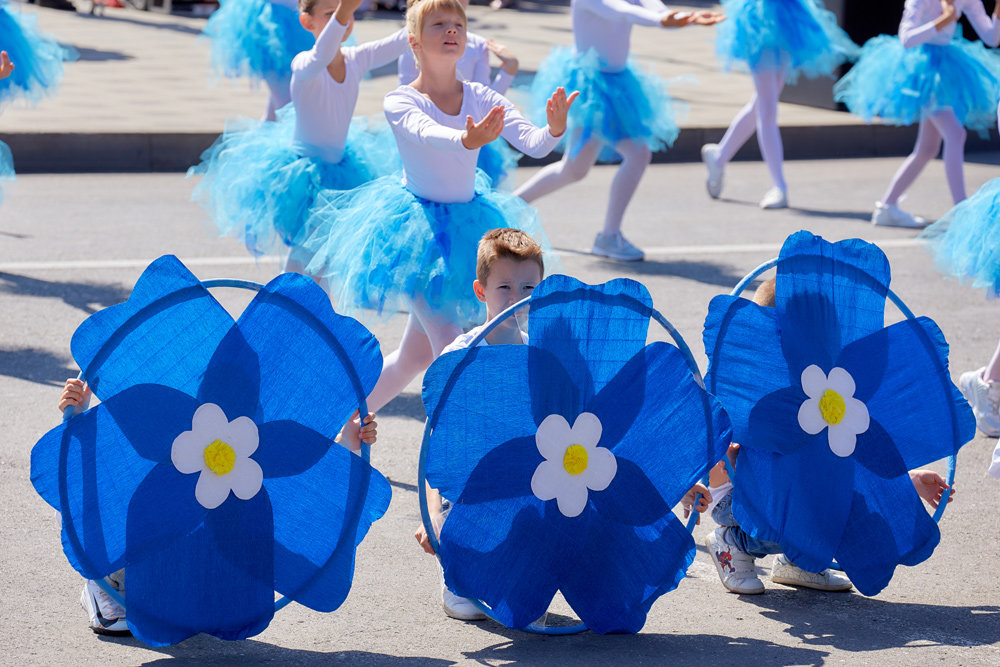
(966, 241)
(799, 36)
(901, 85)
(255, 38)
(6, 165)
(381, 247)
(498, 161)
(631, 104)
(259, 188)
(38, 59)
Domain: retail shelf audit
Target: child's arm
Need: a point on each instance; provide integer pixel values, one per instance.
(75, 392)
(648, 13)
(508, 66)
(382, 51)
(315, 61)
(6, 66)
(912, 34)
(413, 124)
(986, 27)
(930, 486)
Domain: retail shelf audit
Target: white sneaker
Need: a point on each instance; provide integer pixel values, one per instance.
(616, 246)
(716, 171)
(984, 397)
(784, 571)
(106, 616)
(458, 607)
(893, 216)
(736, 569)
(774, 198)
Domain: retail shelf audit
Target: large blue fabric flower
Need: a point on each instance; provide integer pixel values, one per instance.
(208, 471)
(564, 457)
(832, 409)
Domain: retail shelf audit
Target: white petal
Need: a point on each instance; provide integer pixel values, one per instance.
(841, 382)
(548, 480)
(553, 437)
(187, 452)
(241, 435)
(587, 430)
(810, 419)
(842, 440)
(813, 381)
(209, 419)
(246, 478)
(856, 418)
(601, 468)
(572, 500)
(211, 490)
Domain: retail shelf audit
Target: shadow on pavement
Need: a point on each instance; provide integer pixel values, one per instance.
(709, 273)
(101, 55)
(36, 365)
(80, 295)
(136, 19)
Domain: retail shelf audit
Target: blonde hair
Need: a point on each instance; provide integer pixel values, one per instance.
(417, 12)
(764, 296)
(505, 242)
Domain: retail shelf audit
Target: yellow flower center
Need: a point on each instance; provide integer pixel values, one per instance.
(832, 407)
(220, 457)
(575, 459)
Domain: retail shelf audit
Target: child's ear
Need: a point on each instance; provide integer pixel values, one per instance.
(306, 21)
(480, 290)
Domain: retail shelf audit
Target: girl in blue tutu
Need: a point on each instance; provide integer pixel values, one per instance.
(623, 109)
(258, 39)
(6, 159)
(410, 243)
(932, 76)
(497, 159)
(38, 56)
(776, 40)
(260, 179)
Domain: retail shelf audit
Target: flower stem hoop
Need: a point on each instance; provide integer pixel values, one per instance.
(354, 508)
(432, 420)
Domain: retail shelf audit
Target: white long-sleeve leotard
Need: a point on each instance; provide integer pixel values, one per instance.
(323, 107)
(436, 166)
(606, 27)
(474, 65)
(917, 26)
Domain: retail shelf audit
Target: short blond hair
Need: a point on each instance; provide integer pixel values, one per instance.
(506, 242)
(764, 296)
(417, 12)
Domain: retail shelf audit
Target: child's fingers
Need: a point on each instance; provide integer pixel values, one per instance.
(572, 98)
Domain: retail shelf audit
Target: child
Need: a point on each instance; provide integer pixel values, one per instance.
(260, 183)
(733, 550)
(38, 56)
(394, 245)
(258, 38)
(623, 108)
(776, 40)
(933, 76)
(106, 616)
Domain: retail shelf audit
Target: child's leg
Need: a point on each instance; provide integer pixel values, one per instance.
(278, 96)
(951, 130)
(739, 132)
(635, 158)
(401, 366)
(566, 171)
(992, 371)
(769, 84)
(926, 149)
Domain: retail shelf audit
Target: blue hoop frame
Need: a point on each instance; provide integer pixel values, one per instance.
(433, 418)
(283, 601)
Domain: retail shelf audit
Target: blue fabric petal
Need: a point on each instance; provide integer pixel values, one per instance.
(151, 417)
(233, 377)
(593, 330)
(164, 334)
(320, 516)
(745, 362)
(288, 448)
(218, 579)
(828, 295)
(876, 452)
(774, 423)
(631, 498)
(302, 344)
(924, 414)
(167, 511)
(503, 473)
(552, 389)
(888, 526)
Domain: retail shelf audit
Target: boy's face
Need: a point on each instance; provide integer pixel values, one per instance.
(510, 280)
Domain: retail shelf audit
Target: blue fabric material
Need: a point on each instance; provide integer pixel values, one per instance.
(964, 239)
(380, 246)
(739, 538)
(798, 36)
(258, 185)
(255, 38)
(498, 161)
(38, 59)
(632, 104)
(505, 546)
(293, 367)
(900, 86)
(791, 487)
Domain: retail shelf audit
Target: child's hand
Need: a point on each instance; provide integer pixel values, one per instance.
(677, 19)
(423, 540)
(6, 66)
(75, 393)
(489, 128)
(345, 11)
(930, 486)
(708, 18)
(948, 14)
(355, 432)
(557, 108)
(508, 61)
(691, 500)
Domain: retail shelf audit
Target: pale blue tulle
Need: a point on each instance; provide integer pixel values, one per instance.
(631, 104)
(380, 247)
(38, 59)
(901, 85)
(798, 36)
(966, 241)
(6, 165)
(498, 161)
(256, 39)
(258, 187)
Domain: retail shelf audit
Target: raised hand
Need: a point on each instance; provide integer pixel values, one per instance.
(489, 128)
(948, 14)
(6, 66)
(508, 61)
(677, 19)
(708, 18)
(557, 108)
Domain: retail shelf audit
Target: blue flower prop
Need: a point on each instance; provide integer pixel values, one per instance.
(832, 410)
(564, 457)
(208, 471)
